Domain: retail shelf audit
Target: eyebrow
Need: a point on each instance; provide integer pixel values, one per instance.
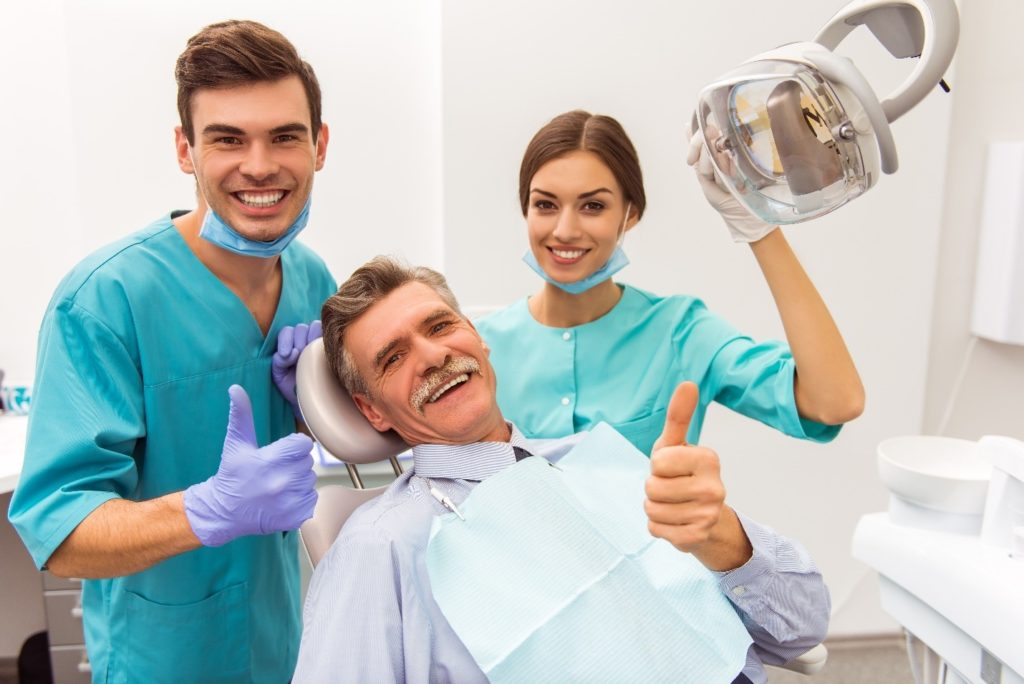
(431, 318)
(582, 195)
(290, 128)
(226, 129)
(223, 128)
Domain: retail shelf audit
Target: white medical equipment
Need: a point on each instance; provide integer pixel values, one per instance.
(951, 567)
(335, 422)
(797, 132)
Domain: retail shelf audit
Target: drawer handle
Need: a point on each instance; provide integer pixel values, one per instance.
(85, 667)
(76, 612)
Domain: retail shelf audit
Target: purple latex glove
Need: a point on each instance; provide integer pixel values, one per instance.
(290, 343)
(256, 490)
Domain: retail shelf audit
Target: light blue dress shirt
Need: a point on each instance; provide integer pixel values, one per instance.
(370, 615)
(136, 353)
(622, 369)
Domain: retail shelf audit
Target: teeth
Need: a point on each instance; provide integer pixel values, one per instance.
(447, 386)
(569, 253)
(260, 199)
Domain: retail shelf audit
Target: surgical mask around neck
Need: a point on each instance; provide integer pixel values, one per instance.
(217, 231)
(616, 262)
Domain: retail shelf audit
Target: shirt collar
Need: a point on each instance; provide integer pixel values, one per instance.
(476, 461)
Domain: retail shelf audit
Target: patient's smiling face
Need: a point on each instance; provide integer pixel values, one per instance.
(426, 369)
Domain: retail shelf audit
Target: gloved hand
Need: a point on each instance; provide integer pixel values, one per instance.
(290, 343)
(256, 490)
(744, 226)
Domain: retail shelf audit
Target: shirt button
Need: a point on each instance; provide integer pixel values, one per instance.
(567, 336)
(565, 401)
(739, 591)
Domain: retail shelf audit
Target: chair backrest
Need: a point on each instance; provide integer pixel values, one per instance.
(332, 416)
(335, 422)
(333, 506)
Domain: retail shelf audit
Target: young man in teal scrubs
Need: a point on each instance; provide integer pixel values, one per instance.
(184, 529)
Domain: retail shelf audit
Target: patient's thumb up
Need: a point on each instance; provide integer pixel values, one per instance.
(241, 428)
(678, 417)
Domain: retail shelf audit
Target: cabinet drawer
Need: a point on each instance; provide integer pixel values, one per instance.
(64, 617)
(53, 583)
(70, 666)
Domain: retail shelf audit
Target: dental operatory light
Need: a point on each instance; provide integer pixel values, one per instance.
(798, 132)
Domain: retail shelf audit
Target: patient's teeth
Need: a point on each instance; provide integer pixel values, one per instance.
(447, 386)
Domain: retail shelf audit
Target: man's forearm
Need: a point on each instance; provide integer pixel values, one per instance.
(124, 537)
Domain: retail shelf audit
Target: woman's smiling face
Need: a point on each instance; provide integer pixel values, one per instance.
(575, 216)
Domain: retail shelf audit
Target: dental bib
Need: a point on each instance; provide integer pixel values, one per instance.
(553, 577)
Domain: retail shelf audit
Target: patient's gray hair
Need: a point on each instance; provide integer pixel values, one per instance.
(368, 284)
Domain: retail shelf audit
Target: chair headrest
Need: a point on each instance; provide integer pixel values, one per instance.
(332, 416)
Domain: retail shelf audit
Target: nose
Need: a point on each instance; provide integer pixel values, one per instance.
(567, 228)
(258, 162)
(431, 355)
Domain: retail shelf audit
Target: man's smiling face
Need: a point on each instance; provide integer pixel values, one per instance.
(254, 154)
(426, 370)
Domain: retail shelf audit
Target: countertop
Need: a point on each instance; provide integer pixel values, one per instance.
(12, 449)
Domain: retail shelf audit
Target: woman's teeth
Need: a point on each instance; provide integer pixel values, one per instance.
(569, 253)
(260, 200)
(447, 386)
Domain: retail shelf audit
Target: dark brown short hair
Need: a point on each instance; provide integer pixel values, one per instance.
(233, 53)
(368, 284)
(580, 130)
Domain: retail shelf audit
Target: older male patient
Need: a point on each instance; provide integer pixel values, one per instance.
(413, 363)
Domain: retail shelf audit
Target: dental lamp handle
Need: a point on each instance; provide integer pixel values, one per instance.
(936, 43)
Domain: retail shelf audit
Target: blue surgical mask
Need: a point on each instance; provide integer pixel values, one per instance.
(215, 230)
(616, 262)
(218, 232)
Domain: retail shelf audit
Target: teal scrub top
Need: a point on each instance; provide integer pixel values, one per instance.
(623, 367)
(137, 350)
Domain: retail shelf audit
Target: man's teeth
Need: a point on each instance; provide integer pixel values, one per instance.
(569, 253)
(260, 199)
(447, 386)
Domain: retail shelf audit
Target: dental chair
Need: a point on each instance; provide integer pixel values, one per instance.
(338, 426)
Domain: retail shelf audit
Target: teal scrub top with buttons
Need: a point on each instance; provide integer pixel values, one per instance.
(136, 353)
(623, 367)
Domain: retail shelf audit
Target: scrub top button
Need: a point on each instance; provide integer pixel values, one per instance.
(566, 336)
(739, 591)
(565, 401)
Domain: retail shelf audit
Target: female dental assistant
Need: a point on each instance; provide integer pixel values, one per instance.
(585, 349)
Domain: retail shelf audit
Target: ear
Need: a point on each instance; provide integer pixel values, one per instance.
(181, 148)
(370, 412)
(321, 146)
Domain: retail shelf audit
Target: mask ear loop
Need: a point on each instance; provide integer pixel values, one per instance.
(622, 230)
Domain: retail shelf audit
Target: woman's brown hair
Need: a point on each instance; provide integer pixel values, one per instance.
(580, 130)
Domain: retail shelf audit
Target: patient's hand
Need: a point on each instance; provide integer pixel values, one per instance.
(685, 495)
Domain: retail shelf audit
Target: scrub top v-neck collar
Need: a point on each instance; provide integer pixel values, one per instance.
(610, 317)
(237, 316)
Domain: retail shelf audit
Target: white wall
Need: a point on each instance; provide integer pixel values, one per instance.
(431, 105)
(990, 94)
(510, 67)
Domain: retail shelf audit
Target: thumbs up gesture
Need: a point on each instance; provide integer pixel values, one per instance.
(257, 490)
(685, 496)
